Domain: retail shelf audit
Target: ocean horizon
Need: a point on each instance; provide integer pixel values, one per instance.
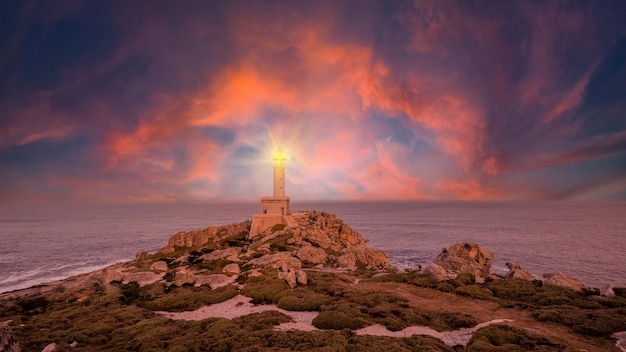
(43, 243)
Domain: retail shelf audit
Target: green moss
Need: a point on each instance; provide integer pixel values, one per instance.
(600, 323)
(337, 320)
(180, 299)
(301, 300)
(264, 290)
(507, 338)
(474, 291)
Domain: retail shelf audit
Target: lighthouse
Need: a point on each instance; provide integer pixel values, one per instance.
(275, 209)
(279, 173)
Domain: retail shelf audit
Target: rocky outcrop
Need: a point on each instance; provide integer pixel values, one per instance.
(275, 260)
(516, 272)
(562, 279)
(8, 342)
(311, 255)
(466, 257)
(200, 237)
(292, 276)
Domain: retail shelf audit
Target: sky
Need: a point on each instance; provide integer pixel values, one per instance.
(165, 101)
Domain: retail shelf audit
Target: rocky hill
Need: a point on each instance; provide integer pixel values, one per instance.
(313, 285)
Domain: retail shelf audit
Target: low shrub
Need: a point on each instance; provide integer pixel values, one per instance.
(601, 323)
(508, 338)
(474, 291)
(337, 320)
(301, 300)
(264, 291)
(188, 298)
(445, 287)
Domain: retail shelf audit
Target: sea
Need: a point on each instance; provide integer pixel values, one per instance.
(43, 243)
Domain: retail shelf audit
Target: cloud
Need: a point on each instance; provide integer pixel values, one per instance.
(420, 100)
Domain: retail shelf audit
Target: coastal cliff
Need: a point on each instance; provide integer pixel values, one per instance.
(311, 285)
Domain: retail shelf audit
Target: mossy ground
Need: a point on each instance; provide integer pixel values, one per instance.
(121, 317)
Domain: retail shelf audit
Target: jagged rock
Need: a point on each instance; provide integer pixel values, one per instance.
(466, 258)
(141, 255)
(182, 259)
(516, 272)
(232, 268)
(301, 277)
(159, 266)
(142, 278)
(562, 279)
(371, 258)
(8, 342)
(230, 254)
(289, 276)
(607, 291)
(312, 255)
(112, 275)
(435, 272)
(215, 280)
(201, 237)
(270, 260)
(50, 348)
(183, 277)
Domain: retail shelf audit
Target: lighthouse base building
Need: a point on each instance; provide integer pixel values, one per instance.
(274, 210)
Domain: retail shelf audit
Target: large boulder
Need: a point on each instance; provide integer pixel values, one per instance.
(184, 277)
(214, 280)
(311, 255)
(159, 266)
(435, 272)
(232, 268)
(466, 257)
(142, 278)
(289, 276)
(516, 272)
(230, 254)
(562, 279)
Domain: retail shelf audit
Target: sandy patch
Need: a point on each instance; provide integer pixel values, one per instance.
(239, 306)
(450, 338)
(303, 321)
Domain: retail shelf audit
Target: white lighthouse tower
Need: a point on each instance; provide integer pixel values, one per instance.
(275, 209)
(279, 174)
